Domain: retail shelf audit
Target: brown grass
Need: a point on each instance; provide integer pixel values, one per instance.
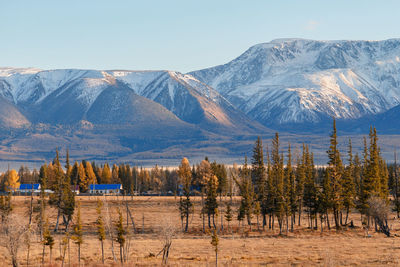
(304, 247)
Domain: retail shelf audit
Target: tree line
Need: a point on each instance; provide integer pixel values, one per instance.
(280, 188)
(275, 187)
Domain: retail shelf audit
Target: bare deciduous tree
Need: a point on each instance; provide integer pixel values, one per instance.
(379, 211)
(109, 226)
(30, 231)
(13, 231)
(167, 233)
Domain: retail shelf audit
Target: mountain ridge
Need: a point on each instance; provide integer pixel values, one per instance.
(342, 79)
(295, 86)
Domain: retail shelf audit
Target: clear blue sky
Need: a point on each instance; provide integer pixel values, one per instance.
(176, 35)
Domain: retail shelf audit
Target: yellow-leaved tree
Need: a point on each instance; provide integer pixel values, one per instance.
(12, 182)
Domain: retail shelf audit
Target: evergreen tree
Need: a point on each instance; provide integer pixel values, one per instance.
(310, 187)
(74, 174)
(246, 191)
(277, 181)
(121, 232)
(42, 174)
(300, 180)
(215, 243)
(220, 171)
(258, 174)
(257, 212)
(396, 187)
(335, 174)
(268, 205)
(366, 183)
(203, 177)
(325, 198)
(228, 213)
(68, 167)
(211, 203)
(5, 206)
(384, 179)
(374, 163)
(357, 172)
(291, 189)
(60, 186)
(348, 186)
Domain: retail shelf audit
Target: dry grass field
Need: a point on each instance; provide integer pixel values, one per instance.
(303, 247)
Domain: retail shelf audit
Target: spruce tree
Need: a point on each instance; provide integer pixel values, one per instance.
(68, 167)
(121, 232)
(300, 180)
(215, 244)
(277, 181)
(257, 212)
(228, 214)
(246, 192)
(325, 198)
(384, 179)
(357, 172)
(374, 163)
(310, 187)
(348, 186)
(258, 174)
(57, 185)
(291, 189)
(335, 174)
(367, 182)
(211, 203)
(203, 175)
(220, 171)
(5, 206)
(396, 187)
(74, 175)
(268, 205)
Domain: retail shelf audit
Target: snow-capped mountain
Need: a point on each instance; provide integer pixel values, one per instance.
(69, 96)
(116, 115)
(286, 84)
(289, 81)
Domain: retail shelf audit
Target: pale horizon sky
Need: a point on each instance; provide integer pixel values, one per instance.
(175, 35)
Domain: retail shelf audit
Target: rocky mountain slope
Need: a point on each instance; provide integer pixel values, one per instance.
(68, 96)
(115, 114)
(296, 81)
(292, 85)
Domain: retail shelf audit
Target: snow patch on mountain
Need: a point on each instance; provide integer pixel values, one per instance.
(299, 80)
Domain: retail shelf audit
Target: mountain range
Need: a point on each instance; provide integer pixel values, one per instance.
(287, 83)
(294, 86)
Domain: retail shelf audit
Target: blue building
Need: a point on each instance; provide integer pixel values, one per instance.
(105, 189)
(27, 188)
